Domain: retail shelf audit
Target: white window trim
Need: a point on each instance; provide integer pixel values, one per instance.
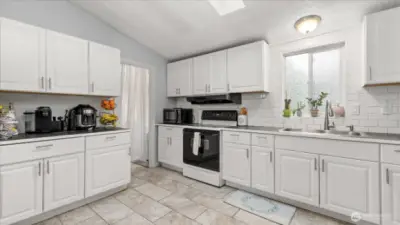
(313, 50)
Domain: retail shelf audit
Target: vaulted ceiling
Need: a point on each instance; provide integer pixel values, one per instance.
(181, 28)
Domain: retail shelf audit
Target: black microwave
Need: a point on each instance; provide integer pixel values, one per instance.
(178, 116)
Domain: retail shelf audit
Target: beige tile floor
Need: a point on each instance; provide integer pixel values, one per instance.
(158, 196)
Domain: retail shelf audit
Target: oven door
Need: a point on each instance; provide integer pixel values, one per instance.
(170, 116)
(207, 155)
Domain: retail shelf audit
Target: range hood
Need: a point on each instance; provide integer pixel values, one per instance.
(216, 99)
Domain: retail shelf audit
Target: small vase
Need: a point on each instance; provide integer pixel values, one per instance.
(314, 112)
(287, 113)
(299, 113)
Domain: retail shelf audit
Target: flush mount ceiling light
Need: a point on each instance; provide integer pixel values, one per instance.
(307, 24)
(224, 7)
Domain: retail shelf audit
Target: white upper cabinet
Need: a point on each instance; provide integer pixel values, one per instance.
(390, 194)
(64, 180)
(104, 70)
(247, 68)
(297, 176)
(67, 64)
(201, 74)
(21, 191)
(383, 47)
(358, 190)
(179, 78)
(22, 56)
(209, 74)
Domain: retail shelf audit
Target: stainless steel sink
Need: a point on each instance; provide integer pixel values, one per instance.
(327, 132)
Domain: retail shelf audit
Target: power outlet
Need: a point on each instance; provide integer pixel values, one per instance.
(355, 110)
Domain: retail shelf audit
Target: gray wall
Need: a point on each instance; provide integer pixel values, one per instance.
(62, 16)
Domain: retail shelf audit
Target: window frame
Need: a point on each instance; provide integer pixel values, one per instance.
(310, 52)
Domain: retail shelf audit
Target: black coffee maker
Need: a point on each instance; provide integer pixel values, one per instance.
(82, 117)
(43, 123)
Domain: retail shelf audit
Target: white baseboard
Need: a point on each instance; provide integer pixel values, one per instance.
(58, 211)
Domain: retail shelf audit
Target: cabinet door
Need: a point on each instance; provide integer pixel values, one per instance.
(179, 78)
(175, 153)
(349, 185)
(21, 188)
(163, 147)
(67, 64)
(63, 180)
(201, 74)
(105, 70)
(390, 194)
(236, 164)
(262, 169)
(383, 47)
(218, 78)
(106, 169)
(22, 56)
(246, 67)
(296, 176)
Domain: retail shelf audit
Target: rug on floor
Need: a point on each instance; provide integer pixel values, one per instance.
(263, 207)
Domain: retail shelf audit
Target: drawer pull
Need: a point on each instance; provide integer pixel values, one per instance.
(234, 135)
(247, 153)
(111, 138)
(262, 137)
(270, 156)
(44, 147)
(323, 165)
(398, 151)
(315, 164)
(48, 167)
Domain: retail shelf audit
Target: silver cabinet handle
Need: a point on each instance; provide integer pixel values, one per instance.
(234, 135)
(370, 73)
(387, 176)
(49, 83)
(247, 153)
(40, 169)
(42, 79)
(209, 89)
(323, 166)
(398, 151)
(110, 137)
(48, 167)
(227, 87)
(315, 164)
(92, 86)
(270, 156)
(43, 147)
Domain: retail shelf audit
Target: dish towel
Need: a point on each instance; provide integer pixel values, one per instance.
(196, 143)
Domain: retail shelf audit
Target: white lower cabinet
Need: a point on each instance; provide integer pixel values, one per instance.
(63, 180)
(236, 164)
(21, 191)
(297, 176)
(170, 146)
(106, 169)
(349, 185)
(262, 169)
(390, 194)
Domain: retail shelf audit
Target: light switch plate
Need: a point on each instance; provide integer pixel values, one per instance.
(355, 110)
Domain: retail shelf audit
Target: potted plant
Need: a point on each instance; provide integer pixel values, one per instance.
(315, 103)
(298, 110)
(287, 112)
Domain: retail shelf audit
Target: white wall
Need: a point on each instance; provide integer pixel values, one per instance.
(268, 111)
(62, 16)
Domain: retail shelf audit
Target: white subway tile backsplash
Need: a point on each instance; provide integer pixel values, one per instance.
(388, 123)
(369, 123)
(394, 130)
(377, 130)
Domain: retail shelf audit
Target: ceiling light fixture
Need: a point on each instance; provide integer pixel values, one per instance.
(307, 24)
(224, 7)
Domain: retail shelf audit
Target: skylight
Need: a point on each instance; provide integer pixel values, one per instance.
(224, 7)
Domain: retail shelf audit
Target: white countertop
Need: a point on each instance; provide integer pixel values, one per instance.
(26, 138)
(370, 138)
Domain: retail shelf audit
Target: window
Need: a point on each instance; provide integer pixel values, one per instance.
(309, 74)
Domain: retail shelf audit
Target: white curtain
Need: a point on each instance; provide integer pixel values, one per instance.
(135, 109)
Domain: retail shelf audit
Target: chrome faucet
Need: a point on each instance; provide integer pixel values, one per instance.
(327, 112)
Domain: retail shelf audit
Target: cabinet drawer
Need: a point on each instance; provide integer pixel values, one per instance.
(39, 150)
(390, 154)
(168, 131)
(107, 140)
(262, 140)
(236, 137)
